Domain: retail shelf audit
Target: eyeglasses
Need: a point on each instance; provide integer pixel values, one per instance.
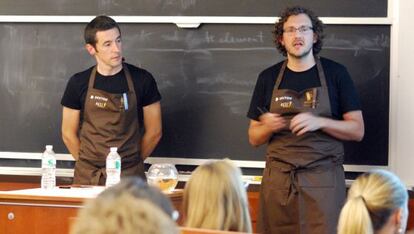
(301, 29)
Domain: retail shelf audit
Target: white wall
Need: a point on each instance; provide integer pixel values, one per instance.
(402, 94)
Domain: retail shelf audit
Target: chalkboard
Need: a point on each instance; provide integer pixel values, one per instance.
(206, 77)
(326, 8)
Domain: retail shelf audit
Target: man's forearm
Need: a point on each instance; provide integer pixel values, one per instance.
(70, 128)
(259, 134)
(351, 128)
(148, 143)
(344, 130)
(261, 131)
(73, 145)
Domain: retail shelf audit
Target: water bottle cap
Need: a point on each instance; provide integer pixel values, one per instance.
(114, 149)
(49, 147)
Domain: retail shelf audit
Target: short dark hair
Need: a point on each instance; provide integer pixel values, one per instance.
(100, 23)
(317, 26)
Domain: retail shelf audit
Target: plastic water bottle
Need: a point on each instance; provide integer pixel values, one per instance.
(48, 168)
(113, 167)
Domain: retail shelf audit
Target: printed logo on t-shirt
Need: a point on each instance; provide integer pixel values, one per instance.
(284, 101)
(99, 101)
(283, 98)
(311, 98)
(100, 104)
(99, 98)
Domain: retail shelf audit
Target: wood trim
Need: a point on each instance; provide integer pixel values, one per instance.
(36, 220)
(46, 214)
(186, 230)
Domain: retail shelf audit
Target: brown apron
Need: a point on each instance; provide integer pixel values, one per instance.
(303, 186)
(108, 122)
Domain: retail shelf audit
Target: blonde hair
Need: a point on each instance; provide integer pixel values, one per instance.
(215, 198)
(372, 198)
(124, 214)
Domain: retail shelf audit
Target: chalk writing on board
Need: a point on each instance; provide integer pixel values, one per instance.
(229, 38)
(376, 43)
(184, 4)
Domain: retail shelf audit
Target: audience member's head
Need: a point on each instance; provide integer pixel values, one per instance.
(128, 207)
(377, 203)
(215, 198)
(140, 189)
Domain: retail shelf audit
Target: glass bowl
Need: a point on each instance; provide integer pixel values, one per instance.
(164, 176)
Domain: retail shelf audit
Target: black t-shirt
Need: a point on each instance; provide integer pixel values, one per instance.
(342, 94)
(144, 84)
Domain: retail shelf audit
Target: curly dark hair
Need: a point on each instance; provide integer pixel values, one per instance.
(317, 26)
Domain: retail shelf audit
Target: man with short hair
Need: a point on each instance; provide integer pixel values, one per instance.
(303, 108)
(109, 105)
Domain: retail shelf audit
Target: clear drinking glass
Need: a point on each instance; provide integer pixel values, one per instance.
(163, 176)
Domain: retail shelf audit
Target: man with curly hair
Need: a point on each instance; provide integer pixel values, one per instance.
(303, 107)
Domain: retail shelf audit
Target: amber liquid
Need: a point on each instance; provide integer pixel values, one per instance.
(166, 184)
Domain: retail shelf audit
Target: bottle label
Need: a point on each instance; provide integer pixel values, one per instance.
(50, 163)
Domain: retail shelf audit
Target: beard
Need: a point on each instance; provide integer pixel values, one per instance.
(301, 55)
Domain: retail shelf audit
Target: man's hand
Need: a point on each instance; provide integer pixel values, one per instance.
(351, 128)
(305, 122)
(272, 121)
(261, 131)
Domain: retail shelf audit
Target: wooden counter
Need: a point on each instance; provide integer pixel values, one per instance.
(20, 182)
(48, 211)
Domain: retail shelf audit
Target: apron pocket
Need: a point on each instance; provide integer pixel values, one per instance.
(317, 178)
(279, 179)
